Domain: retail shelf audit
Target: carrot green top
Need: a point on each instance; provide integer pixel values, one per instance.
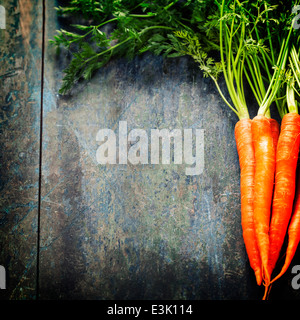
(239, 39)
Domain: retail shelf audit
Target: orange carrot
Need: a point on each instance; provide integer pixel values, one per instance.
(293, 232)
(244, 142)
(263, 186)
(286, 164)
(275, 132)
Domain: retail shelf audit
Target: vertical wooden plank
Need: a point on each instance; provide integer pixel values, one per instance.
(138, 231)
(20, 83)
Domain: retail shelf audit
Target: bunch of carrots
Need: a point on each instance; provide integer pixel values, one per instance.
(268, 153)
(268, 161)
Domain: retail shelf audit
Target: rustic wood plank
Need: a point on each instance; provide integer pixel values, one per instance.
(20, 83)
(138, 231)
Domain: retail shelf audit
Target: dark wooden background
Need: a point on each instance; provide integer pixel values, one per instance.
(71, 229)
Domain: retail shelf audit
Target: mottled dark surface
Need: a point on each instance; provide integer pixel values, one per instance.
(114, 231)
(20, 80)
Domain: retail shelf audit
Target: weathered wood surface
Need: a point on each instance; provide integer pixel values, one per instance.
(20, 85)
(116, 231)
(138, 231)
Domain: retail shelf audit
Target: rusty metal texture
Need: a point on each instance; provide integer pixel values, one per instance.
(113, 231)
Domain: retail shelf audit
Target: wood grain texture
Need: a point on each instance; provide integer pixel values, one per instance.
(20, 80)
